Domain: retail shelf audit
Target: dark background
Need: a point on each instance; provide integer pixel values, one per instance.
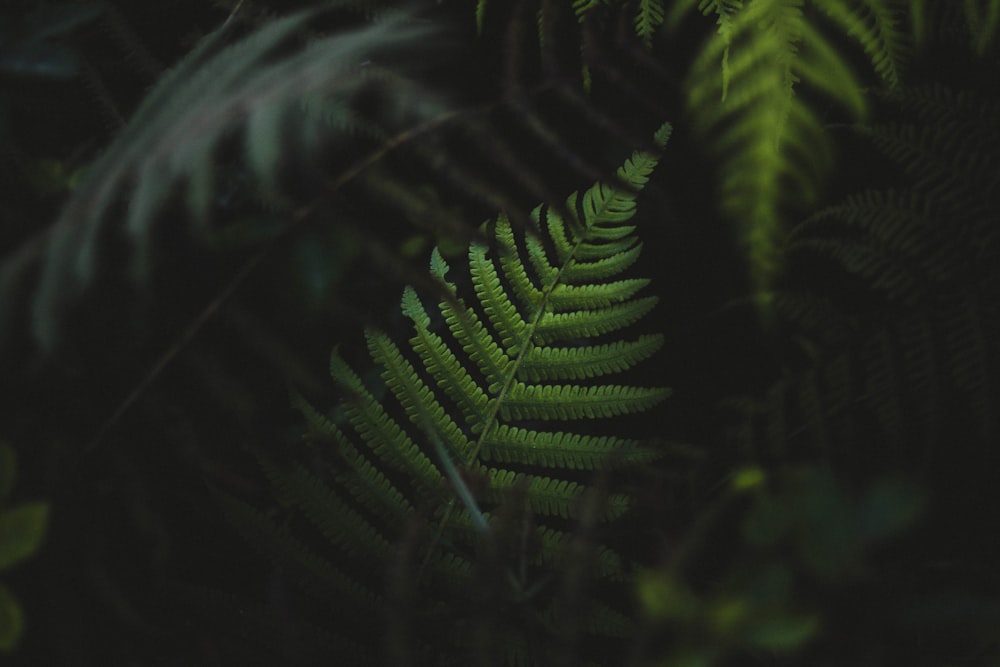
(137, 553)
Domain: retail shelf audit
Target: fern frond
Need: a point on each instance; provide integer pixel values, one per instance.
(583, 7)
(556, 327)
(927, 367)
(984, 22)
(300, 489)
(480, 14)
(546, 449)
(980, 19)
(383, 435)
(873, 265)
(258, 86)
(742, 94)
(546, 496)
(470, 386)
(555, 543)
(877, 27)
(951, 155)
(577, 363)
(572, 402)
(280, 544)
(900, 228)
(649, 16)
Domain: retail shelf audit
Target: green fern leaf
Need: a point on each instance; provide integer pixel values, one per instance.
(876, 26)
(583, 7)
(509, 444)
(474, 383)
(649, 17)
(742, 94)
(480, 15)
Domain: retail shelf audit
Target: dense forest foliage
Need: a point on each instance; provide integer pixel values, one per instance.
(663, 332)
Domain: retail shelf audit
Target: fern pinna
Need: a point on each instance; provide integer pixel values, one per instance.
(478, 383)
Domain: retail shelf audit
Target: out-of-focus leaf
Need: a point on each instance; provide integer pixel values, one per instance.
(748, 479)
(11, 620)
(782, 632)
(771, 587)
(48, 176)
(38, 59)
(728, 614)
(692, 658)
(767, 522)
(663, 598)
(25, 49)
(22, 530)
(59, 19)
(827, 538)
(322, 262)
(891, 506)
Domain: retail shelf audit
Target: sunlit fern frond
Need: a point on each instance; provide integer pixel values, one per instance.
(743, 98)
(473, 418)
(877, 26)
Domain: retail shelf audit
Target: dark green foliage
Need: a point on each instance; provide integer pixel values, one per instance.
(744, 91)
(897, 380)
(22, 531)
(283, 104)
(464, 501)
(929, 253)
(744, 96)
(801, 530)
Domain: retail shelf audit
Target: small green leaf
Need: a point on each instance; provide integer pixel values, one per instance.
(11, 620)
(22, 529)
(664, 598)
(748, 479)
(728, 614)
